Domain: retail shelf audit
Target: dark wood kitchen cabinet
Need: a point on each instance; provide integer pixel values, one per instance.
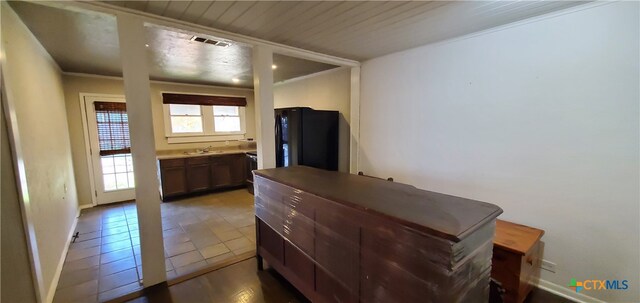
(198, 176)
(227, 171)
(339, 237)
(193, 175)
(174, 177)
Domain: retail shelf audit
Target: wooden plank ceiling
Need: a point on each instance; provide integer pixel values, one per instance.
(356, 30)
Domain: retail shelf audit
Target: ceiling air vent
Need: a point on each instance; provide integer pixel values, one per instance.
(211, 41)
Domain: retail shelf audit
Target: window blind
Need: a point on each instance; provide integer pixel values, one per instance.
(113, 128)
(169, 98)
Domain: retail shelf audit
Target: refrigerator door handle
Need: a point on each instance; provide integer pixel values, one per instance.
(278, 131)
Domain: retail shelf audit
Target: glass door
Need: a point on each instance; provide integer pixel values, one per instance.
(110, 149)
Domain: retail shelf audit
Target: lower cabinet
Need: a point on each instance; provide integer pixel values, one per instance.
(174, 177)
(198, 177)
(227, 171)
(200, 174)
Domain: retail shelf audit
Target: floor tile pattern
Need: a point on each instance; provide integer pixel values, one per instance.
(105, 262)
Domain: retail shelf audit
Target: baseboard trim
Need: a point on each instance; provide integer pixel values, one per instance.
(56, 278)
(566, 292)
(84, 206)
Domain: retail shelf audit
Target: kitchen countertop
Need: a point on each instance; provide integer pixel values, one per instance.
(176, 154)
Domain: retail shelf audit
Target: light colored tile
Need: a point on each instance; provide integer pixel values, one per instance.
(118, 245)
(177, 249)
(115, 238)
(114, 224)
(220, 258)
(119, 291)
(108, 231)
(221, 227)
(244, 250)
(116, 255)
(82, 253)
(191, 268)
(188, 220)
(214, 250)
(117, 266)
(239, 243)
(77, 293)
(114, 221)
(186, 259)
(171, 274)
(169, 225)
(118, 279)
(85, 244)
(81, 264)
(173, 231)
(252, 239)
(212, 221)
(228, 234)
(77, 277)
(176, 239)
(84, 228)
(196, 228)
(248, 230)
(88, 236)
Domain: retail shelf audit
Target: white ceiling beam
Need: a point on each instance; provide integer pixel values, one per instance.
(263, 100)
(187, 26)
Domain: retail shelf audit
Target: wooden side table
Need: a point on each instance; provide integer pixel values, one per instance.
(517, 256)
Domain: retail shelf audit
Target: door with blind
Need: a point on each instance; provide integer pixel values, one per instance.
(110, 149)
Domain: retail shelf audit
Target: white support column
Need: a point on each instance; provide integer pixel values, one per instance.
(263, 92)
(355, 120)
(132, 37)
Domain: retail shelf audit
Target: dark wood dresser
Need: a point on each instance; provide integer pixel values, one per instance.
(339, 237)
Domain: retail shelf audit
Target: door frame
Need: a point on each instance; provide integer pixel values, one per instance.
(87, 140)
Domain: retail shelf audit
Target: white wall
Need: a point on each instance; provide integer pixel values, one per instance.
(74, 85)
(34, 83)
(329, 90)
(540, 118)
(15, 277)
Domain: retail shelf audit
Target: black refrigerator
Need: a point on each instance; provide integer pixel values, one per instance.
(305, 136)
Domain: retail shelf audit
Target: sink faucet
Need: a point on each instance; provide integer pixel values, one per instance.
(207, 149)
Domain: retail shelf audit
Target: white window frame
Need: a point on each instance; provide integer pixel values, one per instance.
(209, 133)
(201, 116)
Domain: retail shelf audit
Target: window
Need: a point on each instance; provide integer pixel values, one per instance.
(115, 146)
(201, 118)
(226, 119)
(185, 118)
(117, 172)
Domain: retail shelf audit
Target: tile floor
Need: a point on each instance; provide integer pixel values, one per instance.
(104, 262)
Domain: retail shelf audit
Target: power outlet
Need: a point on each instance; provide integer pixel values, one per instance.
(548, 266)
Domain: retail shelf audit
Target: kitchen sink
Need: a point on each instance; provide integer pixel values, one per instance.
(204, 152)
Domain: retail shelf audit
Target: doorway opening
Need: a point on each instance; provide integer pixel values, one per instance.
(109, 148)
